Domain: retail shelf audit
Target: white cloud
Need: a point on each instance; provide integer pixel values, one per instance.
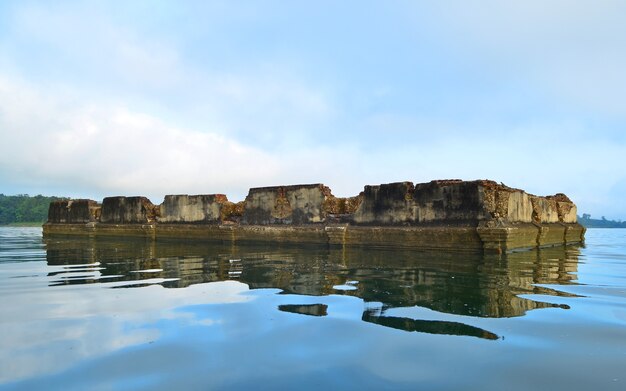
(98, 148)
(113, 149)
(88, 328)
(103, 56)
(98, 102)
(106, 150)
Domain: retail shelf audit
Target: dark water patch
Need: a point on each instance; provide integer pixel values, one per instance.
(305, 309)
(427, 326)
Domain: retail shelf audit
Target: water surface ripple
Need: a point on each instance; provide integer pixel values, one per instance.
(85, 313)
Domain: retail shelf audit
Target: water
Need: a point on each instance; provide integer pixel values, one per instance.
(123, 314)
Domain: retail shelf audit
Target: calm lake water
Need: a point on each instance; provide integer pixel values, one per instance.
(120, 314)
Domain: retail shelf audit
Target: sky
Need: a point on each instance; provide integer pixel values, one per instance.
(102, 98)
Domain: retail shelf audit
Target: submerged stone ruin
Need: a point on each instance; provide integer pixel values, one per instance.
(460, 215)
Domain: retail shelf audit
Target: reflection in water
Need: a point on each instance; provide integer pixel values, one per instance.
(427, 326)
(459, 284)
(305, 309)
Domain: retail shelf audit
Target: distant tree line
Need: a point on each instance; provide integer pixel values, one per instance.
(588, 222)
(23, 208)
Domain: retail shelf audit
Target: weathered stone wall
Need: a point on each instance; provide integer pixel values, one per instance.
(299, 204)
(565, 208)
(128, 210)
(403, 203)
(399, 204)
(520, 208)
(386, 204)
(503, 202)
(73, 211)
(544, 210)
(458, 202)
(567, 212)
(192, 208)
(340, 207)
(452, 201)
(441, 214)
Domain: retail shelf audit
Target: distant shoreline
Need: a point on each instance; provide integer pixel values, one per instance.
(588, 222)
(39, 224)
(23, 224)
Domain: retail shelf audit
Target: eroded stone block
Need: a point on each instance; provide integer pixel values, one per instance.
(298, 204)
(128, 210)
(73, 211)
(453, 201)
(544, 210)
(390, 203)
(519, 208)
(192, 208)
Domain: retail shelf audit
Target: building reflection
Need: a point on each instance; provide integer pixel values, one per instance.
(459, 284)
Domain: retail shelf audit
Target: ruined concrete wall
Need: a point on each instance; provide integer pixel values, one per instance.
(448, 214)
(447, 202)
(232, 212)
(73, 211)
(192, 208)
(553, 209)
(567, 212)
(520, 208)
(338, 206)
(458, 202)
(503, 202)
(299, 204)
(452, 201)
(402, 203)
(390, 203)
(544, 210)
(565, 208)
(128, 210)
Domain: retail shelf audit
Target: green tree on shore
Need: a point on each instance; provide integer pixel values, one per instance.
(23, 208)
(588, 222)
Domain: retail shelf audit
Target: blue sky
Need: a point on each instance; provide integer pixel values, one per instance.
(151, 98)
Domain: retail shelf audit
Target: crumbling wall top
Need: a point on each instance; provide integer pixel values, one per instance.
(444, 201)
